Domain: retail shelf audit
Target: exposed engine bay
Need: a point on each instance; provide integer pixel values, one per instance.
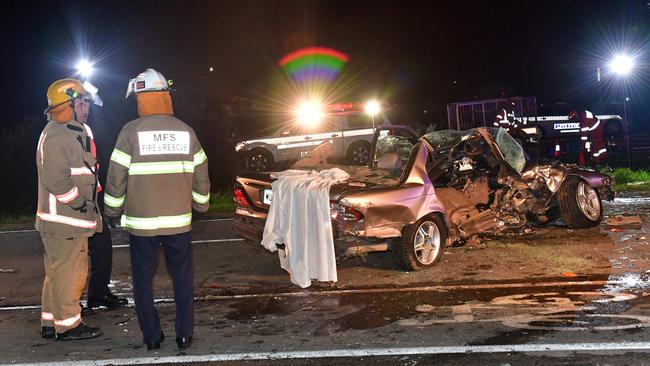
(485, 186)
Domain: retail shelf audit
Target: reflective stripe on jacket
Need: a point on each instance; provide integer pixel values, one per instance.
(157, 174)
(67, 181)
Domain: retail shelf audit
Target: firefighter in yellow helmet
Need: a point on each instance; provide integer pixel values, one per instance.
(158, 173)
(67, 213)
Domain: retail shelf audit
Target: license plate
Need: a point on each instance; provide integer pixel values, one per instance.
(267, 196)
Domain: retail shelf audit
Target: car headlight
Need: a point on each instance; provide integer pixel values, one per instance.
(239, 146)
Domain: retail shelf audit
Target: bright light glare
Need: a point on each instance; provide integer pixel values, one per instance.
(622, 64)
(373, 108)
(85, 68)
(309, 113)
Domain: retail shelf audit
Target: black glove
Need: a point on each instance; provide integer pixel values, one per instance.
(112, 222)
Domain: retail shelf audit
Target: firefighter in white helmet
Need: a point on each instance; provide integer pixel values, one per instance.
(67, 213)
(506, 116)
(157, 174)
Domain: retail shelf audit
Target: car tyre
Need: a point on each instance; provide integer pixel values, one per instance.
(421, 244)
(580, 204)
(358, 153)
(259, 160)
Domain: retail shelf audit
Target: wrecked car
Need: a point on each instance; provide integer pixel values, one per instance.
(420, 194)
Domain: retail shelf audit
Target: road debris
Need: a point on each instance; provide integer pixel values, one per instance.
(620, 220)
(424, 308)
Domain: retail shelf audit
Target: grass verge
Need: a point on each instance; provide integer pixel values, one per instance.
(630, 180)
(221, 202)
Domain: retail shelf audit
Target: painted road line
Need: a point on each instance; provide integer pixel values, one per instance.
(194, 242)
(439, 288)
(17, 231)
(118, 228)
(212, 220)
(363, 352)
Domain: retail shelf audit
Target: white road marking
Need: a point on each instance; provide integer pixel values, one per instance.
(33, 230)
(372, 290)
(17, 231)
(212, 220)
(193, 242)
(364, 352)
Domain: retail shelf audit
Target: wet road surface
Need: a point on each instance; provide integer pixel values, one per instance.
(550, 296)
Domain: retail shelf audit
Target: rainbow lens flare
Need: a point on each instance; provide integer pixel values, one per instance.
(314, 64)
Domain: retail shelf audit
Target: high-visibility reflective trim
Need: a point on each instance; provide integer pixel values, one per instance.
(69, 321)
(121, 158)
(113, 201)
(162, 167)
(89, 131)
(68, 196)
(200, 157)
(67, 220)
(47, 316)
(41, 142)
(52, 201)
(153, 223)
(80, 171)
(203, 199)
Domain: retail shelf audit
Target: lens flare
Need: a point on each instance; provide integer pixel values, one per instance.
(313, 64)
(309, 113)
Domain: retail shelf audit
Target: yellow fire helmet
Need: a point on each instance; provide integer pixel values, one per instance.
(65, 90)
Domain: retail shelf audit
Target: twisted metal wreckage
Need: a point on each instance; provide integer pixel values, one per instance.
(420, 194)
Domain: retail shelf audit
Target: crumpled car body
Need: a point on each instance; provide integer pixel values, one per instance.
(445, 187)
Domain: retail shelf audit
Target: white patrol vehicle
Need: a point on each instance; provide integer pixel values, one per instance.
(346, 125)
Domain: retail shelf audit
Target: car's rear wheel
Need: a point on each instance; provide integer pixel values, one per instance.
(259, 160)
(579, 203)
(421, 244)
(358, 153)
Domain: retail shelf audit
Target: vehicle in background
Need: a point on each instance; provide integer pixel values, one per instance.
(445, 187)
(550, 133)
(348, 126)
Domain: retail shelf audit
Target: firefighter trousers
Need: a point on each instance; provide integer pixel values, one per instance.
(66, 271)
(100, 246)
(144, 260)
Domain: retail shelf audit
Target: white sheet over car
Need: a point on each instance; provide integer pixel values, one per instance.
(299, 217)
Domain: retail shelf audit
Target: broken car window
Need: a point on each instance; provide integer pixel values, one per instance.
(512, 151)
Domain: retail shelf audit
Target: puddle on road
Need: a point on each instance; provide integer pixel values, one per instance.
(536, 309)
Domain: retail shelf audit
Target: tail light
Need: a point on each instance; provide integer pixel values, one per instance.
(344, 213)
(239, 197)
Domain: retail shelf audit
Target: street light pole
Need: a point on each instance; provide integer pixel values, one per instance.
(627, 133)
(622, 65)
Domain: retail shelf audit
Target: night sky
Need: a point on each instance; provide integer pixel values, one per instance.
(416, 55)
(419, 54)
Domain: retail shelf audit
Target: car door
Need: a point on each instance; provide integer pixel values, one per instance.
(392, 139)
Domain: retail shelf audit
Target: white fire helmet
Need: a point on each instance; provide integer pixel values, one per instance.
(147, 81)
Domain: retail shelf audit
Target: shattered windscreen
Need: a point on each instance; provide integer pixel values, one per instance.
(511, 150)
(446, 138)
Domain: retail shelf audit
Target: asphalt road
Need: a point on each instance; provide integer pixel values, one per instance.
(552, 296)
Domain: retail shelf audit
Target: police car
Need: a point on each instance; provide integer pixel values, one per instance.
(349, 126)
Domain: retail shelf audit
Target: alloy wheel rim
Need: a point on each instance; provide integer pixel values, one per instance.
(588, 201)
(427, 242)
(360, 155)
(258, 162)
